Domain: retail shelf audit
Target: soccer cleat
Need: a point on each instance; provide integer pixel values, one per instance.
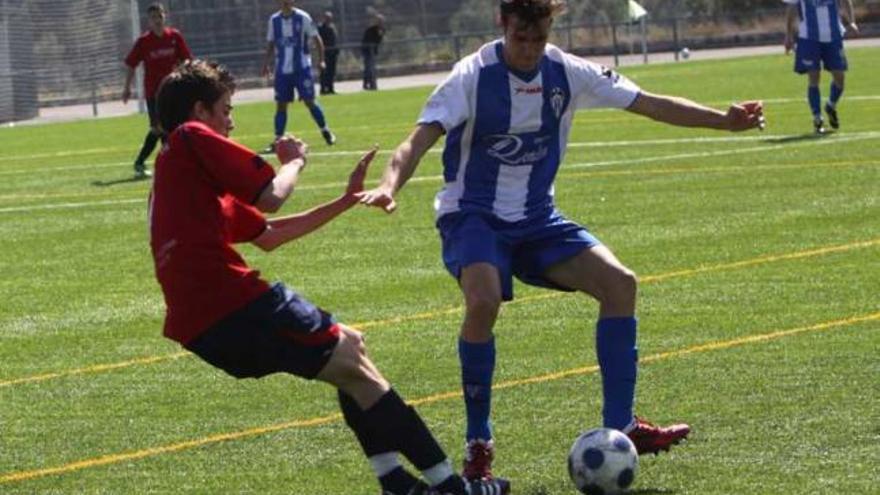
(495, 486)
(478, 455)
(329, 137)
(832, 116)
(819, 126)
(142, 173)
(650, 438)
(268, 150)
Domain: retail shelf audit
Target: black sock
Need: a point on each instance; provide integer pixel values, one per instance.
(372, 442)
(393, 420)
(149, 145)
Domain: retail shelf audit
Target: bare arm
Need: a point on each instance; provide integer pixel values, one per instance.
(319, 50)
(267, 61)
(292, 155)
(686, 113)
(288, 228)
(401, 166)
(849, 15)
(126, 88)
(791, 15)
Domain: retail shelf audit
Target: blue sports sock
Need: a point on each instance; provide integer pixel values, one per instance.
(618, 361)
(318, 115)
(836, 93)
(280, 123)
(815, 99)
(477, 366)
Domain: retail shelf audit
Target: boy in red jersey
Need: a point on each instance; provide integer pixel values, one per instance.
(160, 48)
(209, 193)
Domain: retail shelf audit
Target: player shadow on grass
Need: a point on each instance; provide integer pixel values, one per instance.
(807, 136)
(105, 183)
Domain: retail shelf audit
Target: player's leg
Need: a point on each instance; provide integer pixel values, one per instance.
(597, 272)
(305, 86)
(834, 60)
(814, 98)
(284, 93)
(150, 141)
(481, 287)
(480, 262)
(385, 425)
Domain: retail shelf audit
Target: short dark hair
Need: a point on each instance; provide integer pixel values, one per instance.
(531, 12)
(155, 7)
(191, 82)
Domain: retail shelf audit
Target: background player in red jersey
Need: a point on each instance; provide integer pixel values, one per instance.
(160, 48)
(209, 193)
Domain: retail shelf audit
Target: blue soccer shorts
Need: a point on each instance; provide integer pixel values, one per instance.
(301, 81)
(812, 56)
(523, 249)
(279, 332)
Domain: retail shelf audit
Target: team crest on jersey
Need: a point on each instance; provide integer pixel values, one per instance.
(557, 101)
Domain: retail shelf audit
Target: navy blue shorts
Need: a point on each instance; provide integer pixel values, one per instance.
(813, 55)
(278, 332)
(522, 249)
(302, 82)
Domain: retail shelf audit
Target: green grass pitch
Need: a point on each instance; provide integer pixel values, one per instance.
(759, 259)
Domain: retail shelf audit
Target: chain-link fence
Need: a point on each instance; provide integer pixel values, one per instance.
(56, 53)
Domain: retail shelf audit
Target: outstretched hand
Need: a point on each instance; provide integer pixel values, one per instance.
(746, 115)
(356, 179)
(380, 197)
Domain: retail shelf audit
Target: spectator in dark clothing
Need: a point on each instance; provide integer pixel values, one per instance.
(327, 32)
(370, 48)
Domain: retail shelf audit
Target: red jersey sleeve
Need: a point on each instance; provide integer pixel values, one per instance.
(244, 223)
(135, 56)
(183, 52)
(229, 166)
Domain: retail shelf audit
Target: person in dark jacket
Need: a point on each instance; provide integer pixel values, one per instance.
(327, 32)
(370, 48)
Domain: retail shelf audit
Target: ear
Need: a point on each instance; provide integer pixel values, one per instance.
(200, 111)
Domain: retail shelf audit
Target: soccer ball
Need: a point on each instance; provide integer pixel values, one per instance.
(603, 461)
(685, 53)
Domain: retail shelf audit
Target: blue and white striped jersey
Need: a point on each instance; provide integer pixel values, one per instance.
(819, 20)
(291, 38)
(507, 132)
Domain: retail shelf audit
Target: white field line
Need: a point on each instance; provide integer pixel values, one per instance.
(437, 150)
(91, 151)
(622, 161)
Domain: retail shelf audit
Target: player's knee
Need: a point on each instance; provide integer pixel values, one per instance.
(622, 286)
(483, 303)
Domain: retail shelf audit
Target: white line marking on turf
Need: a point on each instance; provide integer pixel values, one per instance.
(622, 161)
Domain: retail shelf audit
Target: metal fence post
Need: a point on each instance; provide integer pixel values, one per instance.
(675, 45)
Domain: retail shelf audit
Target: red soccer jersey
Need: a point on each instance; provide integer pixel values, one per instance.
(200, 205)
(160, 54)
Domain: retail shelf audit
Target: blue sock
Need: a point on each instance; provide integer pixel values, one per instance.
(477, 366)
(815, 99)
(280, 123)
(618, 362)
(836, 93)
(318, 115)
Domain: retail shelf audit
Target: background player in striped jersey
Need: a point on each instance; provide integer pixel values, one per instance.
(160, 49)
(288, 36)
(506, 111)
(820, 30)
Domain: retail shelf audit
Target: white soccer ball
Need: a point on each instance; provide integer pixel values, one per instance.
(603, 461)
(685, 53)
